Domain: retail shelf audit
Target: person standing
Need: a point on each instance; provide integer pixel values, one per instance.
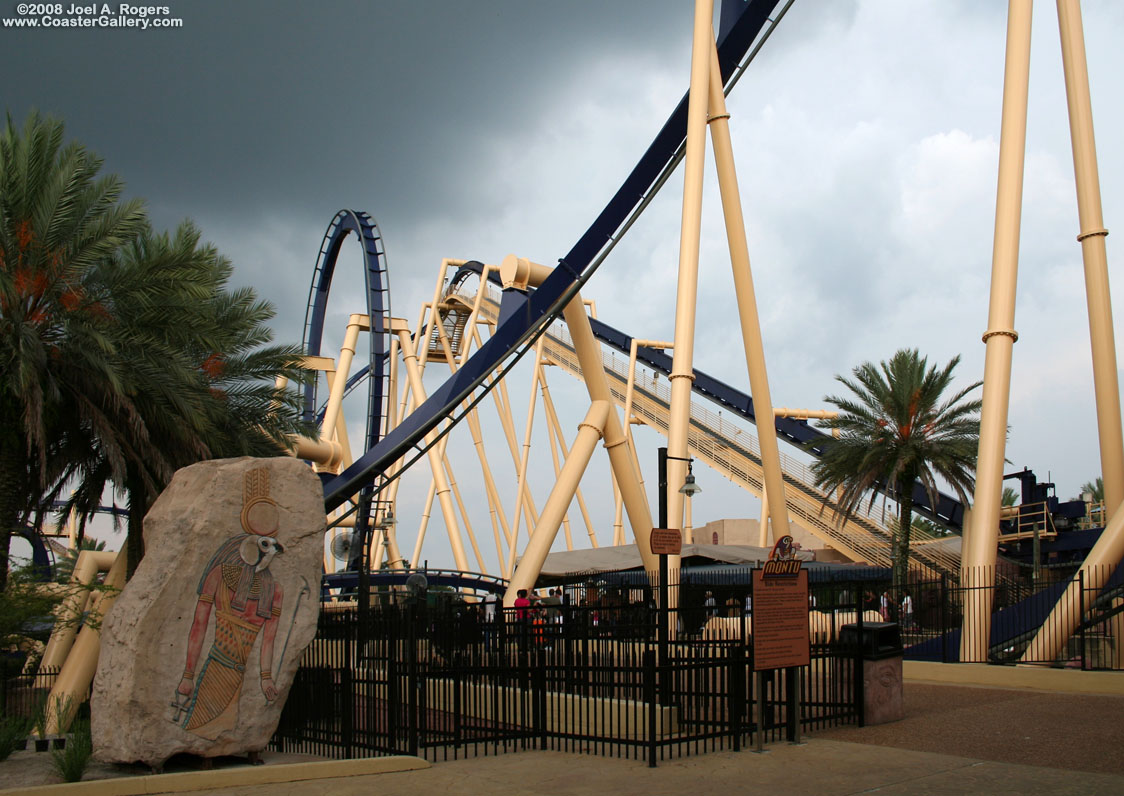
(491, 601)
(522, 605)
(907, 611)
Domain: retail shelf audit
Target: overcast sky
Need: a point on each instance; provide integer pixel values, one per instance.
(866, 138)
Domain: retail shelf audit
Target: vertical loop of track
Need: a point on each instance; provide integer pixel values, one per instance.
(377, 293)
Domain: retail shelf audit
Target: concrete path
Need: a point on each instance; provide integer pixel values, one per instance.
(820, 767)
(954, 739)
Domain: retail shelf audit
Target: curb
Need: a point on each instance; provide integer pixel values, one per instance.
(186, 782)
(1032, 678)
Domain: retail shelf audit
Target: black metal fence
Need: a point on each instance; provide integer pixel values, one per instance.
(1059, 618)
(444, 680)
(24, 696)
(590, 671)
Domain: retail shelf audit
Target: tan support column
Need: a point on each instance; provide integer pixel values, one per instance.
(424, 524)
(618, 533)
(68, 615)
(747, 299)
(78, 672)
(326, 453)
(355, 324)
(682, 363)
(1092, 235)
(522, 273)
(763, 529)
(556, 426)
(978, 563)
(530, 565)
(503, 412)
(410, 358)
(524, 462)
(426, 336)
(1109, 549)
(492, 493)
(1064, 619)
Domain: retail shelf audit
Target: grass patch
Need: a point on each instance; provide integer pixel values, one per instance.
(71, 763)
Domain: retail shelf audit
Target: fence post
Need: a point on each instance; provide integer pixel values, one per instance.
(458, 707)
(736, 694)
(345, 690)
(412, 681)
(1083, 624)
(392, 698)
(792, 704)
(943, 617)
(649, 664)
(859, 687)
(538, 695)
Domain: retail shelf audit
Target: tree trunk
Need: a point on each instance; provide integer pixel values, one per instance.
(138, 507)
(901, 537)
(13, 494)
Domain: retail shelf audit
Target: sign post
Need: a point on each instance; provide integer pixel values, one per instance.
(664, 542)
(780, 629)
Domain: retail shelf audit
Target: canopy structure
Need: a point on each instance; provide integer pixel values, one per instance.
(697, 558)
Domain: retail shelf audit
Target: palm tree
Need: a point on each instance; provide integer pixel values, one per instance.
(895, 430)
(58, 223)
(201, 370)
(64, 564)
(1094, 488)
(125, 354)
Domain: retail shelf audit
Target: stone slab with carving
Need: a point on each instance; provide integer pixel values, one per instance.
(199, 651)
(882, 691)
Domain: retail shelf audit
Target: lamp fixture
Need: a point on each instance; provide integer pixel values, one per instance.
(689, 488)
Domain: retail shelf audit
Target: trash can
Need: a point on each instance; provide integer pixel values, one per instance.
(879, 650)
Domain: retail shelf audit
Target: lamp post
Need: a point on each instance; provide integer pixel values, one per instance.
(689, 489)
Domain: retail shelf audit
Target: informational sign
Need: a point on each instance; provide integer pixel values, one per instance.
(666, 541)
(780, 621)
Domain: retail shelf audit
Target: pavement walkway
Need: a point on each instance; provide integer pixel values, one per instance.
(953, 740)
(819, 766)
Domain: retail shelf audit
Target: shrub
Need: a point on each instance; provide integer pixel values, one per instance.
(13, 734)
(70, 763)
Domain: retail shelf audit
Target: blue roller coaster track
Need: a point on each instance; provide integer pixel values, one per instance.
(523, 317)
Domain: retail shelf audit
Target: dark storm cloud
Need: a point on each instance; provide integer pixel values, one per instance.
(315, 105)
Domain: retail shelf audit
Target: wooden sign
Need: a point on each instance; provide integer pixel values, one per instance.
(780, 621)
(666, 541)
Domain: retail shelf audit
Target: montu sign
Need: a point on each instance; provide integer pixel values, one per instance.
(782, 562)
(780, 611)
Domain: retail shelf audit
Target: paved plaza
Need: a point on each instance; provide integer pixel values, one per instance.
(953, 740)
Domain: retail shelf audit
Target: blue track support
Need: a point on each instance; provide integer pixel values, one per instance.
(523, 318)
(442, 577)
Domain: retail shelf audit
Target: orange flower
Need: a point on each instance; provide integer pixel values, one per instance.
(213, 366)
(24, 234)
